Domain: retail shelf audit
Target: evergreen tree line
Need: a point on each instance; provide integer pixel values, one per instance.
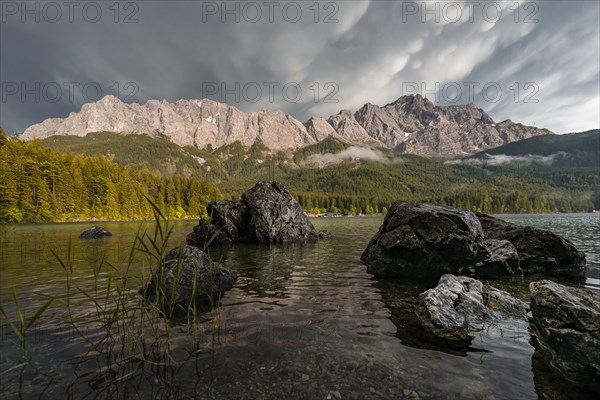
(571, 184)
(483, 200)
(39, 184)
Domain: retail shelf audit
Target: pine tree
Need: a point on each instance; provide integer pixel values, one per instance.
(3, 139)
(46, 185)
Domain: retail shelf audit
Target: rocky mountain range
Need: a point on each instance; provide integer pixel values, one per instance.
(411, 124)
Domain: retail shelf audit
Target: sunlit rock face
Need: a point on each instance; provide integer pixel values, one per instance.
(411, 124)
(187, 122)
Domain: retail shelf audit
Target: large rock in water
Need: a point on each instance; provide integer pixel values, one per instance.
(459, 306)
(425, 240)
(566, 331)
(539, 251)
(96, 232)
(187, 274)
(267, 213)
(228, 224)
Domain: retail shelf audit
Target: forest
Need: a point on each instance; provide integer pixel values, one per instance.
(109, 176)
(39, 184)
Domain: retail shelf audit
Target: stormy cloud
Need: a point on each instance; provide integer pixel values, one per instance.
(535, 62)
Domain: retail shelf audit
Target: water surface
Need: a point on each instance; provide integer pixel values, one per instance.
(303, 321)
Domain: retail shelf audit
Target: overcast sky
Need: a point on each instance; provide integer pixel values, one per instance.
(535, 62)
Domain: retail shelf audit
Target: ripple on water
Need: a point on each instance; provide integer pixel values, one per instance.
(302, 320)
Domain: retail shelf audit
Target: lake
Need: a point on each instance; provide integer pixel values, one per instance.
(303, 321)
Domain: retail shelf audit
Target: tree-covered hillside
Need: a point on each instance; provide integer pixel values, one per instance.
(139, 151)
(328, 145)
(574, 149)
(39, 184)
(360, 186)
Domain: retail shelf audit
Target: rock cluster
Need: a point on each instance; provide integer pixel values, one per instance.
(425, 240)
(429, 241)
(267, 214)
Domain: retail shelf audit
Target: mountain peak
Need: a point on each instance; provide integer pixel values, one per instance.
(109, 99)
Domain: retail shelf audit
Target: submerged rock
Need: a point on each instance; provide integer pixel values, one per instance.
(565, 331)
(425, 240)
(96, 232)
(186, 274)
(325, 235)
(539, 251)
(459, 306)
(267, 213)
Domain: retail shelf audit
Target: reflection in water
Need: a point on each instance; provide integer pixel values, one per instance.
(265, 271)
(548, 385)
(303, 320)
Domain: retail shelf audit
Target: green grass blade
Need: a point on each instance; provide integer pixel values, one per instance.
(19, 313)
(12, 325)
(38, 313)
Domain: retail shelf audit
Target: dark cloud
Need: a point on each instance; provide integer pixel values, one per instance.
(355, 52)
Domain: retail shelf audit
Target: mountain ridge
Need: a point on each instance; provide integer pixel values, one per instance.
(580, 149)
(411, 124)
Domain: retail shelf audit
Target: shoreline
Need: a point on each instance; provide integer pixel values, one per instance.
(309, 215)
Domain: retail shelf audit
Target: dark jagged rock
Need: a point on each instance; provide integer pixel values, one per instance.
(425, 240)
(539, 251)
(504, 260)
(204, 235)
(459, 306)
(275, 216)
(267, 213)
(232, 217)
(180, 268)
(229, 223)
(95, 233)
(565, 331)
